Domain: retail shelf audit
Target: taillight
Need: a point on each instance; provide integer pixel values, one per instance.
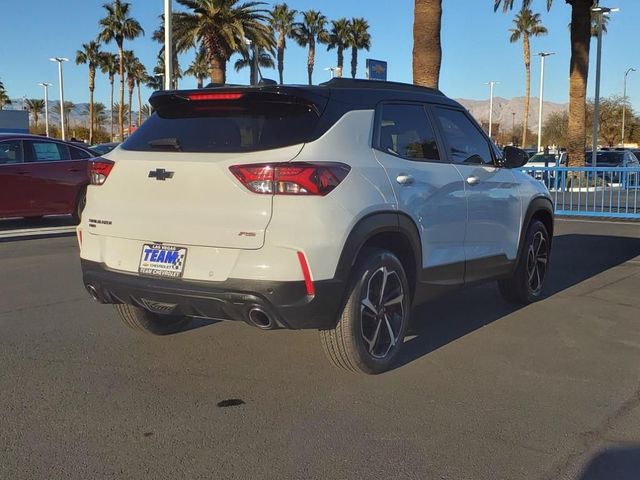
(291, 178)
(99, 169)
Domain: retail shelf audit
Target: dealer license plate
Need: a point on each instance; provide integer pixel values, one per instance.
(162, 260)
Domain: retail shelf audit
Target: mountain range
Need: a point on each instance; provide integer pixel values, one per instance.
(503, 108)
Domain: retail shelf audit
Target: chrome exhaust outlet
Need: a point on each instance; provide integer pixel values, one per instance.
(260, 319)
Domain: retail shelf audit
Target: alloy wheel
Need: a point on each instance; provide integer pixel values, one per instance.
(382, 312)
(537, 260)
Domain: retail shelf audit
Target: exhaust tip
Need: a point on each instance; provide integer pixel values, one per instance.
(260, 319)
(93, 291)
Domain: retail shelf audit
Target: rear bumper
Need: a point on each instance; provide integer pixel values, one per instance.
(287, 303)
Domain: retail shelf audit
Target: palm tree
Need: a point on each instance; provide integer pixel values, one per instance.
(579, 71)
(91, 55)
(35, 106)
(109, 66)
(339, 39)
(312, 30)
(359, 38)
(282, 19)
(125, 110)
(158, 71)
(154, 82)
(139, 75)
(119, 26)
(4, 98)
(526, 25)
(146, 111)
(221, 27)
(265, 60)
(427, 49)
(131, 63)
(99, 115)
(199, 68)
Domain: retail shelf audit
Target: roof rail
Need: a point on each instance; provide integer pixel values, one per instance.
(337, 82)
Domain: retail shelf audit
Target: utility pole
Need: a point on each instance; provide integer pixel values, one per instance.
(46, 105)
(542, 56)
(491, 84)
(168, 46)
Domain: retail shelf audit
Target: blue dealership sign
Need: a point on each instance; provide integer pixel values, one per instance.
(376, 70)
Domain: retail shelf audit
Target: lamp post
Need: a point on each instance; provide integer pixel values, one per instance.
(168, 45)
(513, 128)
(60, 60)
(46, 105)
(599, 11)
(624, 101)
(331, 71)
(491, 84)
(542, 56)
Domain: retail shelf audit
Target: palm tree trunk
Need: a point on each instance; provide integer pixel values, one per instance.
(340, 64)
(200, 82)
(354, 62)
(139, 105)
(427, 50)
(217, 70)
(527, 94)
(35, 118)
(91, 116)
(311, 60)
(121, 105)
(281, 45)
(130, 113)
(580, 43)
(111, 81)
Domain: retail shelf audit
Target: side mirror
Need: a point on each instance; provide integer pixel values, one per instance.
(514, 157)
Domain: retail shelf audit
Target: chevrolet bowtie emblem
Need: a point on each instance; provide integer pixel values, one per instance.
(160, 174)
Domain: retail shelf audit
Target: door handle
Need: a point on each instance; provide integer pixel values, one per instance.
(404, 179)
(74, 170)
(473, 180)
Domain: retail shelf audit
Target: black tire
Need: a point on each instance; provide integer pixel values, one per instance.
(345, 344)
(81, 201)
(527, 283)
(145, 321)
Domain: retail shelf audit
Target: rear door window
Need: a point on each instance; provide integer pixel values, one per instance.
(47, 151)
(11, 152)
(405, 130)
(465, 142)
(225, 126)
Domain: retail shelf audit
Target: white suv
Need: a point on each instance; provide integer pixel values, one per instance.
(335, 207)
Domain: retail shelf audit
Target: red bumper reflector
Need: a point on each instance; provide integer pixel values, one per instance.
(306, 273)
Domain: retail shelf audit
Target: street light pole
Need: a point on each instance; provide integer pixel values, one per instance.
(600, 11)
(491, 84)
(46, 105)
(624, 101)
(331, 71)
(542, 56)
(513, 128)
(168, 45)
(60, 60)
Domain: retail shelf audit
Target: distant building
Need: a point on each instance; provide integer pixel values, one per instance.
(14, 121)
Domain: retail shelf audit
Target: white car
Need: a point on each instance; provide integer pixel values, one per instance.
(334, 207)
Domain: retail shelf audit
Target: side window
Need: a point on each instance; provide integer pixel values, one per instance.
(465, 142)
(11, 152)
(49, 151)
(405, 130)
(78, 154)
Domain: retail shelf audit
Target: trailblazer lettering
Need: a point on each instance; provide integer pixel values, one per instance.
(161, 256)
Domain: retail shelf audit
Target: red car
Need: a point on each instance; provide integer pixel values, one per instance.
(42, 176)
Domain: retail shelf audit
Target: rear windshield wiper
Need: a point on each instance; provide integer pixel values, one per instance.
(165, 142)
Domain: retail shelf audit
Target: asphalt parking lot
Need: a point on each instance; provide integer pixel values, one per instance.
(485, 390)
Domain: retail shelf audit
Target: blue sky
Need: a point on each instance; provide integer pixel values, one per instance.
(475, 46)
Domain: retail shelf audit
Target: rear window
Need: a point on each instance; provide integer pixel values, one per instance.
(243, 126)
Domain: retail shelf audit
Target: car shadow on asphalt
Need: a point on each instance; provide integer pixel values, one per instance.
(7, 224)
(574, 259)
(615, 463)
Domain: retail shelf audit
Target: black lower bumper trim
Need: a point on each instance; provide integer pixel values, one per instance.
(287, 303)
